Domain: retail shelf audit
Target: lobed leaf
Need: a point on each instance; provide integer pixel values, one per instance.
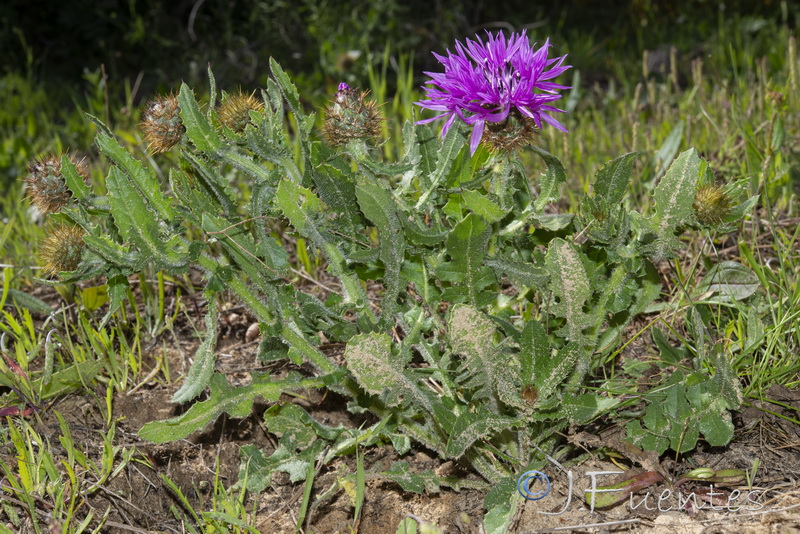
(235, 401)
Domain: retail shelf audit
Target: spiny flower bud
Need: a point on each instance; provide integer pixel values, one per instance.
(712, 205)
(234, 112)
(61, 249)
(46, 186)
(512, 133)
(161, 123)
(351, 117)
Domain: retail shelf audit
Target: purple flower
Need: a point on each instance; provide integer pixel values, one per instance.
(485, 82)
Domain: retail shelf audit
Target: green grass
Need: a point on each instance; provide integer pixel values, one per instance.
(737, 102)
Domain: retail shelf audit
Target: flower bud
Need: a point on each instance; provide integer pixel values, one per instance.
(712, 205)
(61, 249)
(161, 123)
(234, 112)
(46, 186)
(351, 117)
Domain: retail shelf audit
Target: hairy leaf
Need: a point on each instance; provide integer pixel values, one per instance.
(571, 289)
(198, 130)
(369, 357)
(379, 207)
(205, 359)
(235, 401)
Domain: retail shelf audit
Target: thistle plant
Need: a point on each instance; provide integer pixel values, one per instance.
(490, 314)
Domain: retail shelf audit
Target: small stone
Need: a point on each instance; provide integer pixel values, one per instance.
(253, 331)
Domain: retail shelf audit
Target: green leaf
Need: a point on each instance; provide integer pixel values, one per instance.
(296, 428)
(521, 274)
(534, 352)
(235, 401)
(257, 469)
(139, 226)
(143, 181)
(550, 180)
(379, 207)
(205, 359)
(611, 182)
(198, 130)
(466, 246)
(369, 357)
(674, 197)
(73, 180)
(452, 144)
(582, 409)
(481, 205)
(666, 153)
(470, 427)
(501, 502)
(571, 289)
(727, 281)
(29, 302)
(69, 379)
(470, 333)
(337, 190)
(303, 209)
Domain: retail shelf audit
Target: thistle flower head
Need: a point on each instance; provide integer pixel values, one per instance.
(494, 82)
(46, 186)
(350, 116)
(234, 112)
(61, 249)
(161, 123)
(712, 204)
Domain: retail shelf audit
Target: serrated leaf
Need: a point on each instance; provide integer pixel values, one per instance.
(379, 207)
(337, 190)
(521, 274)
(369, 357)
(470, 427)
(303, 209)
(674, 196)
(235, 401)
(419, 234)
(205, 359)
(140, 179)
(29, 302)
(466, 245)
(483, 206)
(240, 247)
(198, 130)
(138, 225)
(452, 144)
(571, 288)
(583, 408)
(296, 428)
(550, 180)
(501, 503)
(257, 469)
(717, 427)
(534, 352)
(471, 335)
(114, 253)
(73, 180)
(611, 182)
